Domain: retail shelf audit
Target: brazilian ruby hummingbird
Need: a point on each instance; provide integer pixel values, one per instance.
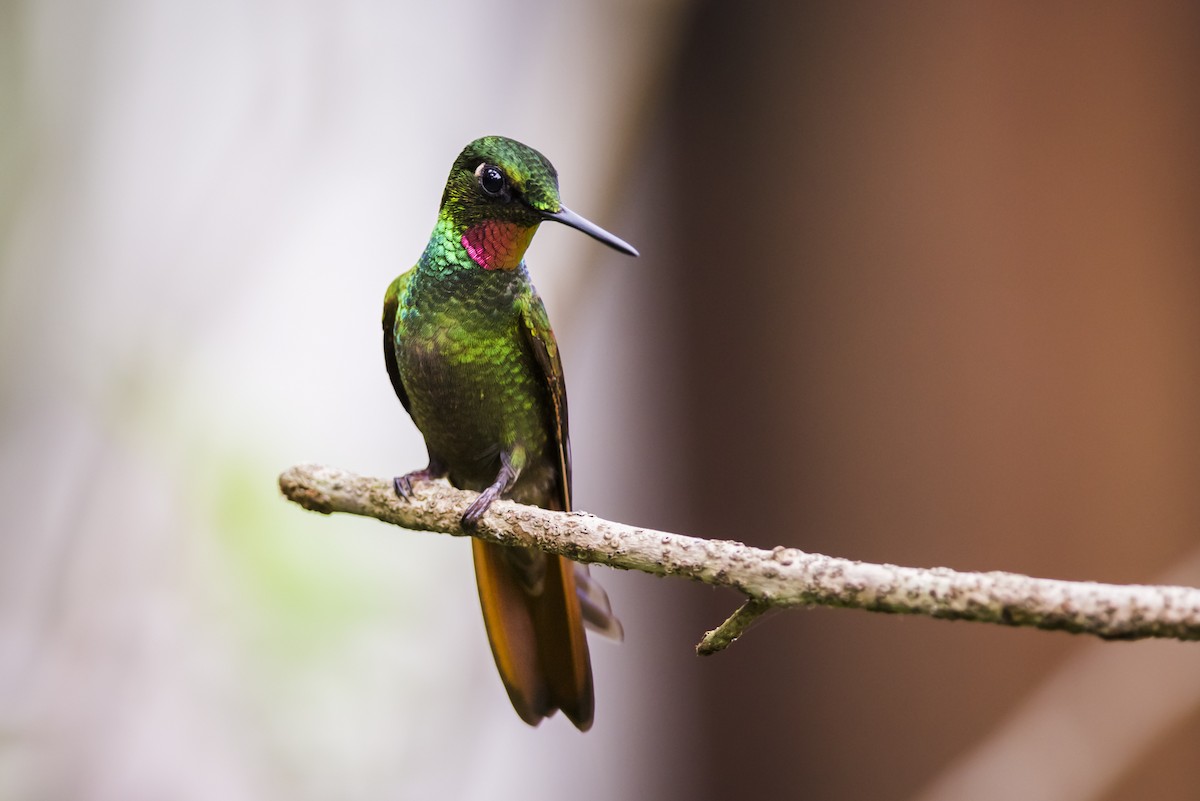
(474, 362)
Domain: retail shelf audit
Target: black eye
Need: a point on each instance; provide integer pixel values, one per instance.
(491, 180)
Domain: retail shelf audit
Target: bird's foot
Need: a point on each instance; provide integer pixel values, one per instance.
(503, 483)
(404, 483)
(470, 518)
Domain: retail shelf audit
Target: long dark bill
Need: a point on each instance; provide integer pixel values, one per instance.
(568, 217)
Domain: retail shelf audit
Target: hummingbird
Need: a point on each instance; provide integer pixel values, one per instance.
(472, 357)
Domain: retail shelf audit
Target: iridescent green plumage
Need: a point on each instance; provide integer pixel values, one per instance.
(472, 358)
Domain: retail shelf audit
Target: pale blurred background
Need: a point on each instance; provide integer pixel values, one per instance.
(919, 283)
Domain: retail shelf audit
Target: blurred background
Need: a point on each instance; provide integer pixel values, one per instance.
(919, 284)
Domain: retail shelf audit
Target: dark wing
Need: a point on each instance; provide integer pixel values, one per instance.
(537, 637)
(540, 339)
(391, 303)
(597, 613)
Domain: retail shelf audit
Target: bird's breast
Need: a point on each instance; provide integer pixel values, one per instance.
(472, 392)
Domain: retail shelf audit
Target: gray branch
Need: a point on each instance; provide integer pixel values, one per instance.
(778, 578)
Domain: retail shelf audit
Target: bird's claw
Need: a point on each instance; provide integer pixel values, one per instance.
(471, 517)
(404, 483)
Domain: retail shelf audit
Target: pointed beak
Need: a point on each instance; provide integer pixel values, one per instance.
(568, 217)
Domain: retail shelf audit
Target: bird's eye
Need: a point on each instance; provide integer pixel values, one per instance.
(491, 179)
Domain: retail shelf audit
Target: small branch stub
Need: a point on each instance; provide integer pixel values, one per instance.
(724, 635)
(780, 578)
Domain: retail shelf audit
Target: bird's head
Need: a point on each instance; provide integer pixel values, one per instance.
(498, 192)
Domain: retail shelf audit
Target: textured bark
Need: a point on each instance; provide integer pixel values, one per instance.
(781, 577)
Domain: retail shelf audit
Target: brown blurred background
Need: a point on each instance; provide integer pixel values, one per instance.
(919, 284)
(939, 268)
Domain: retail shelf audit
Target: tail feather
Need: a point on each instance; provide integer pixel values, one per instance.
(511, 633)
(562, 644)
(537, 639)
(593, 602)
